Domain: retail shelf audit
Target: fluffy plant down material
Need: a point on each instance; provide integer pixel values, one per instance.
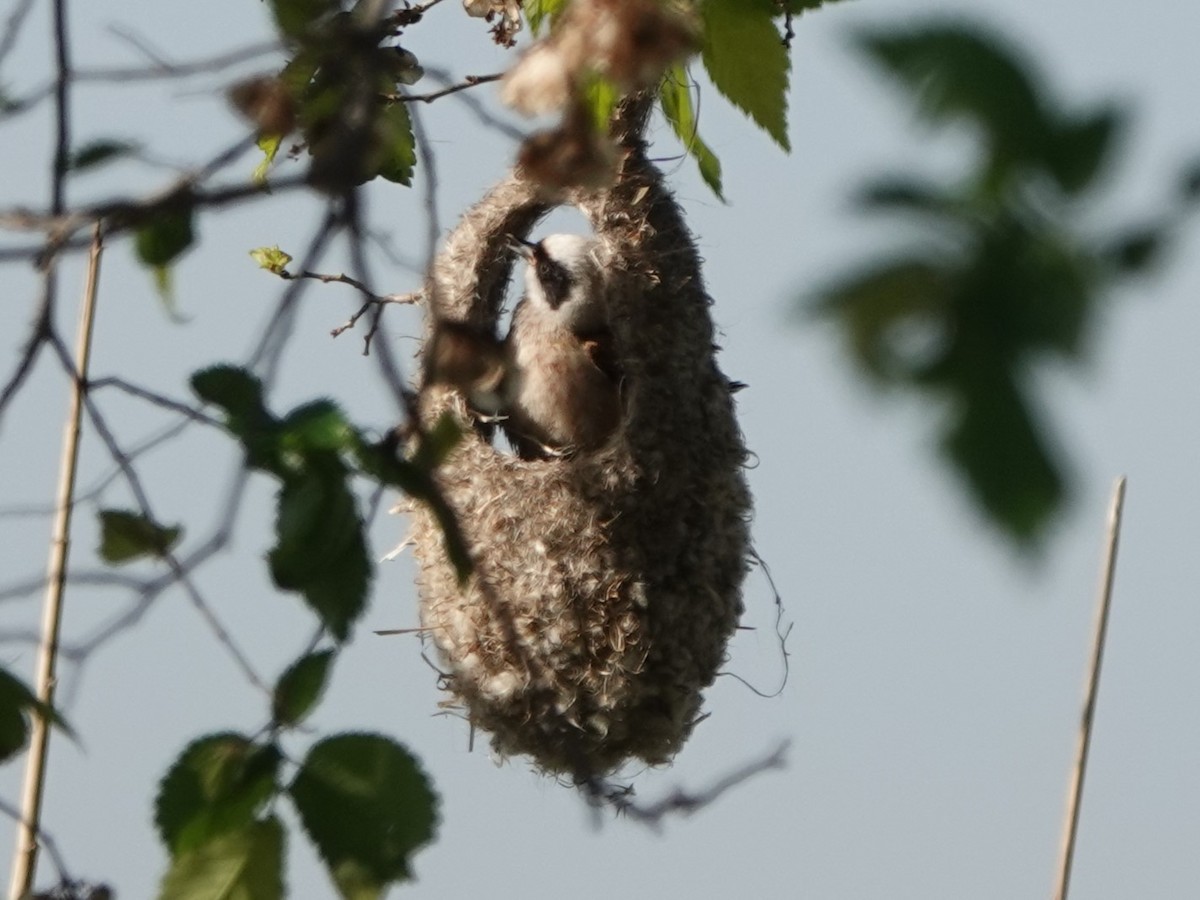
(606, 584)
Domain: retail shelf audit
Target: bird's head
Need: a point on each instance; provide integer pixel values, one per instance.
(565, 277)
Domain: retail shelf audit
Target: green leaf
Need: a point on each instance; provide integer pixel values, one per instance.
(165, 236)
(269, 144)
(367, 807)
(875, 305)
(98, 152)
(319, 425)
(675, 98)
(1013, 472)
(246, 864)
(747, 62)
(125, 536)
(397, 148)
(272, 259)
(321, 551)
(295, 17)
(17, 703)
(232, 388)
(957, 73)
(300, 688)
(600, 98)
(1078, 151)
(539, 12)
(218, 785)
(437, 442)
(239, 394)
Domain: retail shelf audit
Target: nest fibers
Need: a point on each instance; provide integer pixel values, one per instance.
(605, 584)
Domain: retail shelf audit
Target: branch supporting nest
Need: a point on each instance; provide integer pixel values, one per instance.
(606, 584)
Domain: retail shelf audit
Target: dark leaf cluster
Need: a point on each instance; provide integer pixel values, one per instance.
(1003, 274)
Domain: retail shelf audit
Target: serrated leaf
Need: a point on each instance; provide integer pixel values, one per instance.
(675, 99)
(232, 388)
(300, 688)
(126, 536)
(271, 258)
(321, 551)
(218, 784)
(239, 394)
(98, 152)
(368, 807)
(246, 864)
(397, 148)
(747, 62)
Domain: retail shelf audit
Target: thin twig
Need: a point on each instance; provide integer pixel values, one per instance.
(468, 81)
(25, 859)
(12, 27)
(160, 67)
(604, 793)
(1103, 604)
(135, 390)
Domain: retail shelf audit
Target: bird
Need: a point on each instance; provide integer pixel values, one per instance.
(554, 382)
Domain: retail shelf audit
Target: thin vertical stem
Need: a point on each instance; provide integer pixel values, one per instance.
(25, 860)
(1104, 603)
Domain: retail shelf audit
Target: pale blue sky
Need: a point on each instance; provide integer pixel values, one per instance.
(935, 679)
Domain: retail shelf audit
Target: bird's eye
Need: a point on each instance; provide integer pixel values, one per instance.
(555, 281)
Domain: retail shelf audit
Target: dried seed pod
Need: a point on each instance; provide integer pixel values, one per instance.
(607, 583)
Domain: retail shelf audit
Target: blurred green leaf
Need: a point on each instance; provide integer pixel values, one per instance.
(300, 688)
(956, 73)
(1078, 150)
(161, 239)
(675, 99)
(239, 394)
(746, 60)
(994, 439)
(98, 152)
(126, 536)
(367, 807)
(296, 17)
(540, 12)
(316, 426)
(397, 146)
(17, 703)
(246, 864)
(321, 551)
(219, 784)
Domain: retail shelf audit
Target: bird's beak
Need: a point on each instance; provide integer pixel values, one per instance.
(525, 248)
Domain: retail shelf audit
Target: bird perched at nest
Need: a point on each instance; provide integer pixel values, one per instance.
(553, 382)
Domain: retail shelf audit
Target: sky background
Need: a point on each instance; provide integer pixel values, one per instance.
(936, 676)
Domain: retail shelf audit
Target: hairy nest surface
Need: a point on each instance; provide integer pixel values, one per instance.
(606, 584)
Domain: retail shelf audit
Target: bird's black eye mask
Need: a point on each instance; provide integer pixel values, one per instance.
(554, 278)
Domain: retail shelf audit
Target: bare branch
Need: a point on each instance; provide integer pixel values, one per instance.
(601, 792)
(184, 409)
(468, 81)
(12, 27)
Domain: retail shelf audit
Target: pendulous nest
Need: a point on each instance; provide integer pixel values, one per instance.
(606, 584)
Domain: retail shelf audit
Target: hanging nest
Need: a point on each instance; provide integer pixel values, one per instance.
(605, 584)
